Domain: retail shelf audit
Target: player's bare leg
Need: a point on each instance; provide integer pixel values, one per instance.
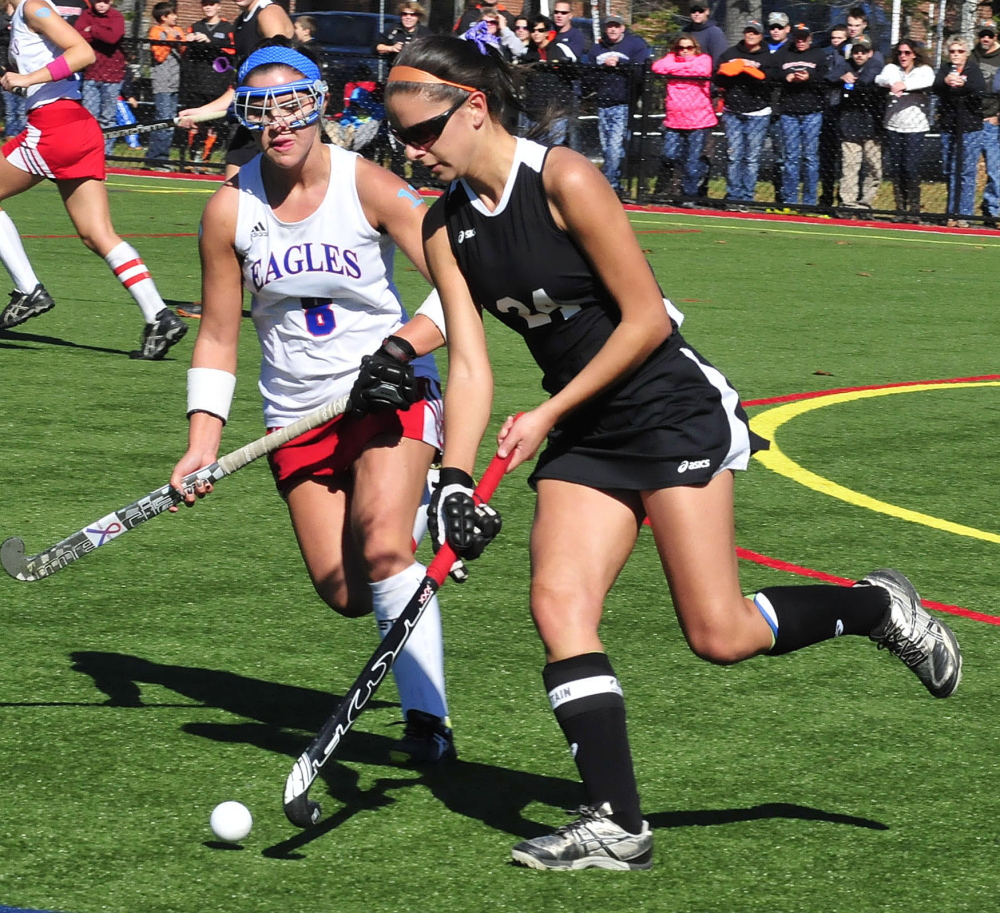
(87, 204)
(694, 530)
(29, 298)
(580, 540)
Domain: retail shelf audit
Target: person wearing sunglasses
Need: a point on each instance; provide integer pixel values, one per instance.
(690, 115)
(309, 230)
(960, 87)
(496, 28)
(522, 29)
(909, 78)
(411, 27)
(746, 78)
(986, 54)
(548, 96)
(633, 423)
(711, 38)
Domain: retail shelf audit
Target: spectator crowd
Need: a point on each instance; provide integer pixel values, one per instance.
(824, 125)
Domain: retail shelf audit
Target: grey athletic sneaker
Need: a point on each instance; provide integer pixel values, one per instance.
(427, 739)
(160, 336)
(593, 841)
(25, 305)
(908, 631)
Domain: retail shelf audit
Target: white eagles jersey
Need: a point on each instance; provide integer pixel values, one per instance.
(30, 51)
(322, 292)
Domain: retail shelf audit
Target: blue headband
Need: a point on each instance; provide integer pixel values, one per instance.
(278, 54)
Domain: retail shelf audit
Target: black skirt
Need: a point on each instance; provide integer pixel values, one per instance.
(684, 427)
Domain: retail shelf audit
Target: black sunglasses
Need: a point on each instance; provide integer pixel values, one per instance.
(426, 133)
(542, 29)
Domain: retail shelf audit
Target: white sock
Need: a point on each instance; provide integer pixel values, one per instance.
(421, 519)
(127, 265)
(13, 256)
(419, 669)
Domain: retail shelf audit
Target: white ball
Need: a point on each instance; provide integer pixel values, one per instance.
(231, 821)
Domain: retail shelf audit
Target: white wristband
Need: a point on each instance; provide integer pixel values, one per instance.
(433, 310)
(210, 390)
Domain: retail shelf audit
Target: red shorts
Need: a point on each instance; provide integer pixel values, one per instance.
(332, 449)
(62, 141)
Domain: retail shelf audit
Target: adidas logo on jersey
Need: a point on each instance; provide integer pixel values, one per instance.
(258, 231)
(466, 234)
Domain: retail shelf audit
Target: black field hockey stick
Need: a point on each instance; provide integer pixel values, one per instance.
(34, 567)
(129, 129)
(299, 808)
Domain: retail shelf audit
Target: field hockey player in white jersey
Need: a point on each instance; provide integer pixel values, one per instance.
(63, 142)
(638, 424)
(310, 230)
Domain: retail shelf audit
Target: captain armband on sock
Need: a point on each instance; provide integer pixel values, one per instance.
(59, 69)
(210, 390)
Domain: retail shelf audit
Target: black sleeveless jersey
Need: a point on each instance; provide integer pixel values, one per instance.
(674, 421)
(245, 33)
(530, 274)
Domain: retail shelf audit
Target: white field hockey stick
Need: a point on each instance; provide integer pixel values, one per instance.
(299, 808)
(128, 129)
(34, 567)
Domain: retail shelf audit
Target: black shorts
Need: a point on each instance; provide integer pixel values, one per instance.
(687, 427)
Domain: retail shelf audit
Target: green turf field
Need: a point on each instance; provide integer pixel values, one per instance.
(190, 662)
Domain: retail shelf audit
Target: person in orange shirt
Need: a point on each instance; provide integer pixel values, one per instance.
(166, 74)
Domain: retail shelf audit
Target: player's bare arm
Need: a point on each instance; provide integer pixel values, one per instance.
(468, 395)
(393, 206)
(273, 20)
(584, 204)
(77, 53)
(218, 331)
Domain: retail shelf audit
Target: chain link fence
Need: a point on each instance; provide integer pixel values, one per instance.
(569, 99)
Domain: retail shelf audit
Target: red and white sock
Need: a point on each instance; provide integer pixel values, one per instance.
(13, 256)
(127, 265)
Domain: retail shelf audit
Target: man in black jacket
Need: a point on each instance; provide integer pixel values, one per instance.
(742, 77)
(802, 73)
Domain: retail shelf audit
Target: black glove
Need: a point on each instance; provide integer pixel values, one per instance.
(455, 517)
(386, 380)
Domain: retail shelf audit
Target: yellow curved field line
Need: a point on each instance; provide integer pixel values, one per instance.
(767, 423)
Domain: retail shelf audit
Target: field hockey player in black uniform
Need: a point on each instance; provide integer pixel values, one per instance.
(258, 20)
(637, 424)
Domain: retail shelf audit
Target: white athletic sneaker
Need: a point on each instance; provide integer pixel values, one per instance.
(593, 841)
(908, 631)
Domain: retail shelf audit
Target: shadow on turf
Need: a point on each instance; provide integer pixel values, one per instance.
(494, 795)
(12, 339)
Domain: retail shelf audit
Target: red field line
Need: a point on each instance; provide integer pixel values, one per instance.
(813, 394)
(778, 564)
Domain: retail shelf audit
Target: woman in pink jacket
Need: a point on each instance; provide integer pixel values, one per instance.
(690, 116)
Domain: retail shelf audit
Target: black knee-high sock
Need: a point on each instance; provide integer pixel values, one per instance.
(804, 615)
(589, 707)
